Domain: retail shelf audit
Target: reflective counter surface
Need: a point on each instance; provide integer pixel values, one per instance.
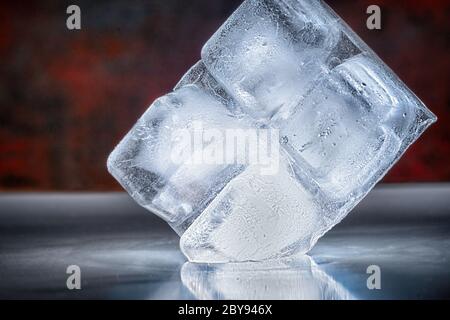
(125, 252)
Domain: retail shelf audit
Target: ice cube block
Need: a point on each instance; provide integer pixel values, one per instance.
(342, 118)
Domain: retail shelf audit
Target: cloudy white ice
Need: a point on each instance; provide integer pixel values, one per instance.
(291, 66)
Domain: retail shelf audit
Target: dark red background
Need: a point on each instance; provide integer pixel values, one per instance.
(67, 97)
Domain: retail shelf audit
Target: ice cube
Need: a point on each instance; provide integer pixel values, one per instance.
(143, 162)
(289, 66)
(336, 134)
(256, 217)
(348, 130)
(269, 52)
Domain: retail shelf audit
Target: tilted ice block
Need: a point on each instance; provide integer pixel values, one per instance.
(290, 66)
(145, 161)
(269, 51)
(256, 217)
(349, 129)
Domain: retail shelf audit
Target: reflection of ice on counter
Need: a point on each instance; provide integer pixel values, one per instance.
(298, 278)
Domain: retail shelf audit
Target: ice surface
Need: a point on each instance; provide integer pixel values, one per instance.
(291, 66)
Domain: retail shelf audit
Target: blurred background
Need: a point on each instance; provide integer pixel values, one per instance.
(67, 97)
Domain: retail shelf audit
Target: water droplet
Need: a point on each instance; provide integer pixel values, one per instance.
(284, 140)
(404, 115)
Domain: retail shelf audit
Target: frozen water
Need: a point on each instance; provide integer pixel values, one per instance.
(143, 164)
(268, 52)
(291, 66)
(256, 217)
(344, 137)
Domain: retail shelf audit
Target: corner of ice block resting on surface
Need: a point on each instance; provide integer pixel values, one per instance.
(256, 217)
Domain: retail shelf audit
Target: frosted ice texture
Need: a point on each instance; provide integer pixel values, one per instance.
(293, 65)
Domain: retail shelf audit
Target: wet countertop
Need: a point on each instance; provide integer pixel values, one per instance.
(400, 233)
